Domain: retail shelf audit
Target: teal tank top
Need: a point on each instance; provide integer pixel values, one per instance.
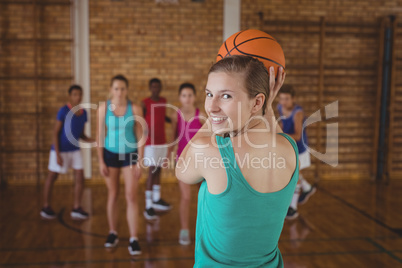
(120, 138)
(240, 227)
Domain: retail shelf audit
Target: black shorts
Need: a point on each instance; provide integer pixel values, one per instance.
(119, 160)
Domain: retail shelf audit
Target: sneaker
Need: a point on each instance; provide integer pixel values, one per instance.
(111, 240)
(150, 214)
(134, 248)
(304, 196)
(184, 238)
(79, 214)
(48, 213)
(161, 205)
(292, 214)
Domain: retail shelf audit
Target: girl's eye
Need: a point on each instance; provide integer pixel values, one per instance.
(209, 94)
(226, 96)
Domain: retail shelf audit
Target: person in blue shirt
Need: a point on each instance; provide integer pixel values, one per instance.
(65, 153)
(292, 119)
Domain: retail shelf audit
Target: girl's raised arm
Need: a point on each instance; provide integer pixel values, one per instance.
(274, 87)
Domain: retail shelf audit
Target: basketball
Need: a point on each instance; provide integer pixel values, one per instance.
(254, 43)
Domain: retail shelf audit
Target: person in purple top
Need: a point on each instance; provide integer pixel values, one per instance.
(185, 124)
(65, 152)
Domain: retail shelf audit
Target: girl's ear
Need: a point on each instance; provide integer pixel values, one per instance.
(258, 103)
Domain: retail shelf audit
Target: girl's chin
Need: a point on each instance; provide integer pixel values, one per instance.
(220, 129)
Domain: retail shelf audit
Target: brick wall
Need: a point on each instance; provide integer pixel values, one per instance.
(33, 82)
(310, 10)
(178, 43)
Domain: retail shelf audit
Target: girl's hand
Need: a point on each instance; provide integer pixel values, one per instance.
(104, 171)
(274, 85)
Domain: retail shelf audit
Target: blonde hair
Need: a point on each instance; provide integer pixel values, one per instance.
(256, 77)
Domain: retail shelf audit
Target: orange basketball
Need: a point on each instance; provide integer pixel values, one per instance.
(254, 43)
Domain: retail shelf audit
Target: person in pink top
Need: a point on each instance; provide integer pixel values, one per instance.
(185, 124)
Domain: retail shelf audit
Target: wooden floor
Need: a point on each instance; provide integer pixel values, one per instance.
(345, 224)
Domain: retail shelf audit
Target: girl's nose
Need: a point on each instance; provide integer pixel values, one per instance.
(213, 106)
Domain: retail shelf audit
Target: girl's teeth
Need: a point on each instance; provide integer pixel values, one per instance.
(218, 119)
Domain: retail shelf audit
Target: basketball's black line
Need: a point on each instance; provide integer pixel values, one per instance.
(257, 56)
(227, 49)
(234, 40)
(219, 55)
(228, 52)
(251, 55)
(256, 38)
(260, 57)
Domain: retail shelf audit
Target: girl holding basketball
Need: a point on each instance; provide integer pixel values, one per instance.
(185, 124)
(120, 150)
(243, 198)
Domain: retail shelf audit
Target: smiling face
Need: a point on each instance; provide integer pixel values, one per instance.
(227, 103)
(118, 90)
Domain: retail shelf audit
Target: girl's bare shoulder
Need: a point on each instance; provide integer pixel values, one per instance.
(284, 148)
(205, 145)
(263, 143)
